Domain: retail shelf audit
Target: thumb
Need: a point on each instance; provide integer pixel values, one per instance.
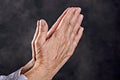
(42, 35)
(44, 28)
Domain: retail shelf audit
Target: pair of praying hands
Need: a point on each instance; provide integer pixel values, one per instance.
(51, 49)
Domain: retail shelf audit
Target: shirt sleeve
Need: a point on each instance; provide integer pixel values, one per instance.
(14, 76)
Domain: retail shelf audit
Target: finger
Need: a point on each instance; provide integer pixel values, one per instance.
(75, 42)
(79, 21)
(34, 38)
(66, 19)
(77, 26)
(44, 30)
(67, 41)
(71, 50)
(54, 27)
(42, 35)
(73, 21)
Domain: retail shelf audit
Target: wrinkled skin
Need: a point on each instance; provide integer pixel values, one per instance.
(51, 49)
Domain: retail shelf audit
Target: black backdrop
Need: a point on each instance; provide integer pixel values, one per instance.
(97, 56)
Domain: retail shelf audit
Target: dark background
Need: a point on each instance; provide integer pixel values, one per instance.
(97, 56)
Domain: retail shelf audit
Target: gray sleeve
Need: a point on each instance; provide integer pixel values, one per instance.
(14, 76)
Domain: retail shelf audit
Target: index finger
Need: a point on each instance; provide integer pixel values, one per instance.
(54, 27)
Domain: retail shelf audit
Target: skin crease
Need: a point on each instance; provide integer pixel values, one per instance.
(51, 49)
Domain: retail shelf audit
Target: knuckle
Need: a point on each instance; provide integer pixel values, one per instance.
(36, 42)
(74, 33)
(71, 23)
(66, 21)
(32, 42)
(75, 43)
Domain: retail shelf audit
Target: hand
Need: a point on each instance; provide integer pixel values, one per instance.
(31, 63)
(58, 47)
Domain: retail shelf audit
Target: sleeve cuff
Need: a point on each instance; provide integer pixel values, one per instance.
(17, 76)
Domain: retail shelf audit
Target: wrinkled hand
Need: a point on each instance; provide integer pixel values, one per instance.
(38, 33)
(53, 49)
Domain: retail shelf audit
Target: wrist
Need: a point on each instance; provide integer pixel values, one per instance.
(28, 66)
(38, 73)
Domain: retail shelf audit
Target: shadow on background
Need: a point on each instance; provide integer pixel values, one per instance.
(97, 56)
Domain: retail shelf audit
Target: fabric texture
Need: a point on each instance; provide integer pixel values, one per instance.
(14, 76)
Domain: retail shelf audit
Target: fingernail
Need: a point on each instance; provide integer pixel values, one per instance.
(78, 10)
(81, 16)
(72, 9)
(42, 23)
(82, 29)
